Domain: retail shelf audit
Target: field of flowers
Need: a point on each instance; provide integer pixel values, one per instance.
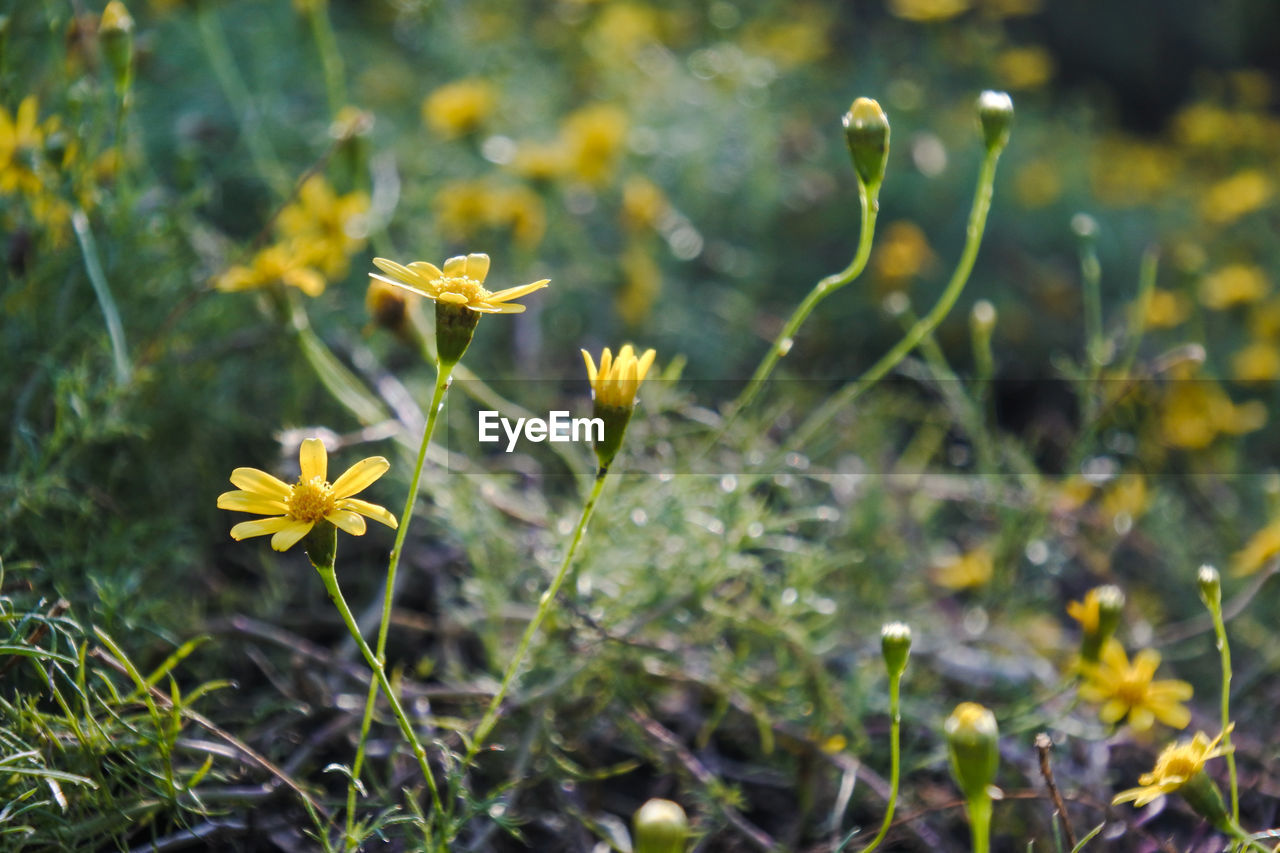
(924, 353)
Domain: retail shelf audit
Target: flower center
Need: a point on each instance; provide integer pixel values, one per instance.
(311, 500)
(464, 286)
(1133, 689)
(1178, 764)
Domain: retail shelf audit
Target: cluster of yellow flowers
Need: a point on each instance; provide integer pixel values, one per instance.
(317, 233)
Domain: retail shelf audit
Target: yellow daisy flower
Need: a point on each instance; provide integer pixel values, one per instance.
(1258, 551)
(1177, 765)
(616, 382)
(297, 508)
(1127, 689)
(460, 283)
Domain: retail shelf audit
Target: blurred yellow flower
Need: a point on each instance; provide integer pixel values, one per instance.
(1024, 67)
(927, 10)
(281, 263)
(1125, 172)
(21, 139)
(1241, 194)
(1086, 612)
(540, 161)
(593, 137)
(803, 37)
(1193, 412)
(459, 107)
(1177, 765)
(1010, 8)
(643, 203)
(902, 253)
(1127, 689)
(1166, 309)
(622, 28)
(1264, 320)
(331, 227)
(616, 382)
(971, 569)
(1256, 363)
(641, 285)
(1127, 495)
(1038, 183)
(296, 509)
(1234, 284)
(1261, 549)
(460, 283)
(466, 209)
(1073, 493)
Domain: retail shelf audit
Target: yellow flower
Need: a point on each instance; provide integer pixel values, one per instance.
(593, 137)
(459, 107)
(329, 226)
(281, 263)
(616, 382)
(1261, 548)
(1085, 612)
(1234, 284)
(1195, 411)
(1127, 689)
(1175, 767)
(1166, 309)
(1258, 362)
(540, 161)
(971, 569)
(903, 253)
(297, 508)
(1127, 495)
(20, 142)
(460, 283)
(927, 10)
(1024, 67)
(1238, 195)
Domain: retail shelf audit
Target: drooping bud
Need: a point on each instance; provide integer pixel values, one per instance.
(115, 32)
(895, 645)
(972, 740)
(995, 113)
(866, 130)
(660, 826)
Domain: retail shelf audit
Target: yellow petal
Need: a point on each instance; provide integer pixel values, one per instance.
(394, 269)
(1142, 719)
(500, 308)
(259, 527)
(417, 291)
(591, 367)
(1171, 689)
(359, 476)
(373, 511)
(1113, 711)
(260, 483)
(251, 502)
(452, 298)
(426, 270)
(456, 267)
(1171, 714)
(646, 361)
(606, 363)
(1146, 662)
(288, 536)
(516, 292)
(477, 266)
(307, 280)
(313, 460)
(348, 521)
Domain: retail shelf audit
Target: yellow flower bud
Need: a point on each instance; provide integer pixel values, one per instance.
(660, 826)
(866, 130)
(115, 32)
(972, 740)
(895, 645)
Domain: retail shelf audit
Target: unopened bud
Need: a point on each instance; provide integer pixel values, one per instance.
(983, 318)
(995, 113)
(1109, 603)
(895, 645)
(866, 130)
(1210, 587)
(115, 32)
(972, 740)
(660, 826)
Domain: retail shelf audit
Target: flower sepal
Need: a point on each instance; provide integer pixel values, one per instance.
(455, 326)
(1206, 800)
(321, 545)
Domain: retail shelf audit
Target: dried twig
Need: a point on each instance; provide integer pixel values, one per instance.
(1043, 745)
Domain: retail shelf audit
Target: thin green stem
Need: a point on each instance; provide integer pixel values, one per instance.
(926, 324)
(330, 579)
(869, 202)
(979, 810)
(1224, 651)
(330, 57)
(443, 378)
(545, 605)
(895, 760)
(107, 303)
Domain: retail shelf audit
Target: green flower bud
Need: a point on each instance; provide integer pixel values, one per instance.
(995, 113)
(455, 326)
(866, 130)
(321, 545)
(660, 826)
(115, 32)
(972, 740)
(983, 319)
(895, 645)
(1210, 587)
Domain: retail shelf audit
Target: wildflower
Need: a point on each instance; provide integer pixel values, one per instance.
(1210, 583)
(1241, 194)
(803, 38)
(466, 209)
(1180, 769)
(895, 646)
(1127, 496)
(927, 10)
(20, 141)
(642, 284)
(540, 161)
(1127, 689)
(1258, 362)
(972, 740)
(643, 203)
(1261, 549)
(1234, 284)
(296, 509)
(593, 138)
(459, 107)
(660, 826)
(1165, 309)
(115, 30)
(1099, 615)
(277, 264)
(1195, 411)
(971, 569)
(613, 393)
(329, 226)
(460, 296)
(866, 131)
(1024, 67)
(902, 253)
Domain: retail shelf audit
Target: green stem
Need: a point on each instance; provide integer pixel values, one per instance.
(330, 56)
(545, 605)
(1224, 651)
(330, 579)
(980, 823)
(895, 761)
(443, 378)
(868, 199)
(107, 304)
(926, 324)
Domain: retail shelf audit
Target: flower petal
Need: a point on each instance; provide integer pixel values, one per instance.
(477, 266)
(394, 269)
(260, 483)
(251, 502)
(373, 511)
(348, 521)
(1142, 719)
(417, 291)
(426, 270)
(259, 527)
(1146, 662)
(591, 367)
(1113, 711)
(313, 460)
(359, 476)
(516, 292)
(289, 535)
(646, 361)
(456, 267)
(500, 308)
(1171, 714)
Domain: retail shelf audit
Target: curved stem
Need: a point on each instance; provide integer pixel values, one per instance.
(545, 605)
(1224, 651)
(443, 378)
(926, 324)
(330, 579)
(895, 725)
